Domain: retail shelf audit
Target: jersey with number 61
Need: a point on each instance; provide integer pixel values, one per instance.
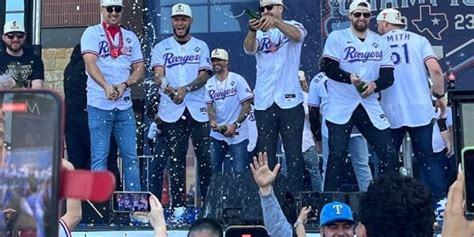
(408, 101)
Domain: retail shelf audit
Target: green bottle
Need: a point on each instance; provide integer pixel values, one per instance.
(223, 129)
(361, 87)
(252, 14)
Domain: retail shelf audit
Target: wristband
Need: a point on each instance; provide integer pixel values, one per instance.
(438, 96)
(126, 84)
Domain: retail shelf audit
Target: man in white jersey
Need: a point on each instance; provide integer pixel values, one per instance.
(355, 57)
(114, 63)
(184, 61)
(276, 44)
(317, 102)
(407, 103)
(228, 98)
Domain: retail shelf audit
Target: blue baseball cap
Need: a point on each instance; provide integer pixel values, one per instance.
(334, 212)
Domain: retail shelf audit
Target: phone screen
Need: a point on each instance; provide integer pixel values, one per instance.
(30, 138)
(468, 167)
(131, 201)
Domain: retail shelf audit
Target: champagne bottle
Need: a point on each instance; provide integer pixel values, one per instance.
(252, 14)
(361, 87)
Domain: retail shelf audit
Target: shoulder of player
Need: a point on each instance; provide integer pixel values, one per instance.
(235, 76)
(94, 29)
(197, 41)
(293, 22)
(340, 34)
(165, 42)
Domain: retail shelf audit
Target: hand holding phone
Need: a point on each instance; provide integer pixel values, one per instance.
(131, 201)
(467, 160)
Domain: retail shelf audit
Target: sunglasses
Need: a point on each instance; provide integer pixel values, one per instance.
(268, 7)
(117, 9)
(359, 14)
(17, 35)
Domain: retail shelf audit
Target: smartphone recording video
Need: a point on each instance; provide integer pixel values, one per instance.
(467, 159)
(131, 201)
(30, 138)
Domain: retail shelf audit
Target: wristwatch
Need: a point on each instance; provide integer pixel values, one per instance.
(237, 124)
(188, 88)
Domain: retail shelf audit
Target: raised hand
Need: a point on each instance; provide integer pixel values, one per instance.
(262, 174)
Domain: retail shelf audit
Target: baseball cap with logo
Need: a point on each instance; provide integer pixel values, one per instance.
(271, 2)
(359, 5)
(13, 26)
(334, 212)
(220, 54)
(181, 9)
(390, 15)
(106, 3)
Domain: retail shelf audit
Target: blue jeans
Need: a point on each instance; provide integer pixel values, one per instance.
(359, 152)
(311, 161)
(102, 123)
(238, 156)
(433, 173)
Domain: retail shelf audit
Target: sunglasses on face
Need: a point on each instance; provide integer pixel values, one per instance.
(359, 14)
(117, 9)
(17, 35)
(268, 7)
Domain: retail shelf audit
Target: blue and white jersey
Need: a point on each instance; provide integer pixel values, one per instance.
(182, 64)
(227, 97)
(63, 229)
(408, 101)
(115, 71)
(278, 62)
(364, 58)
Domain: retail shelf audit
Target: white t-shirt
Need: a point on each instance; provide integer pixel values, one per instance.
(364, 59)
(115, 71)
(278, 61)
(438, 142)
(227, 97)
(408, 101)
(182, 64)
(253, 132)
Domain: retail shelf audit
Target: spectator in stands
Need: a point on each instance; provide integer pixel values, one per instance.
(73, 214)
(336, 220)
(273, 217)
(205, 227)
(396, 206)
(455, 222)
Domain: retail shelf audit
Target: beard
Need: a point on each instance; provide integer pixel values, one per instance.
(15, 49)
(360, 28)
(182, 36)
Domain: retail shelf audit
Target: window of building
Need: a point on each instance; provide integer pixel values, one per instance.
(15, 10)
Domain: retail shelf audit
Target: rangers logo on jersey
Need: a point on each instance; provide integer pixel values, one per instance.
(352, 55)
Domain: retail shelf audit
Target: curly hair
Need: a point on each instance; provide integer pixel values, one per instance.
(206, 225)
(397, 206)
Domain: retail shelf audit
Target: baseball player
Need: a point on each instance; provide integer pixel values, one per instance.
(114, 63)
(228, 99)
(357, 59)
(184, 61)
(276, 44)
(407, 103)
(317, 102)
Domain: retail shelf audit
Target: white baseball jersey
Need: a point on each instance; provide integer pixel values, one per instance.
(115, 71)
(182, 64)
(364, 59)
(278, 61)
(227, 97)
(408, 101)
(253, 131)
(317, 97)
(308, 140)
(438, 142)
